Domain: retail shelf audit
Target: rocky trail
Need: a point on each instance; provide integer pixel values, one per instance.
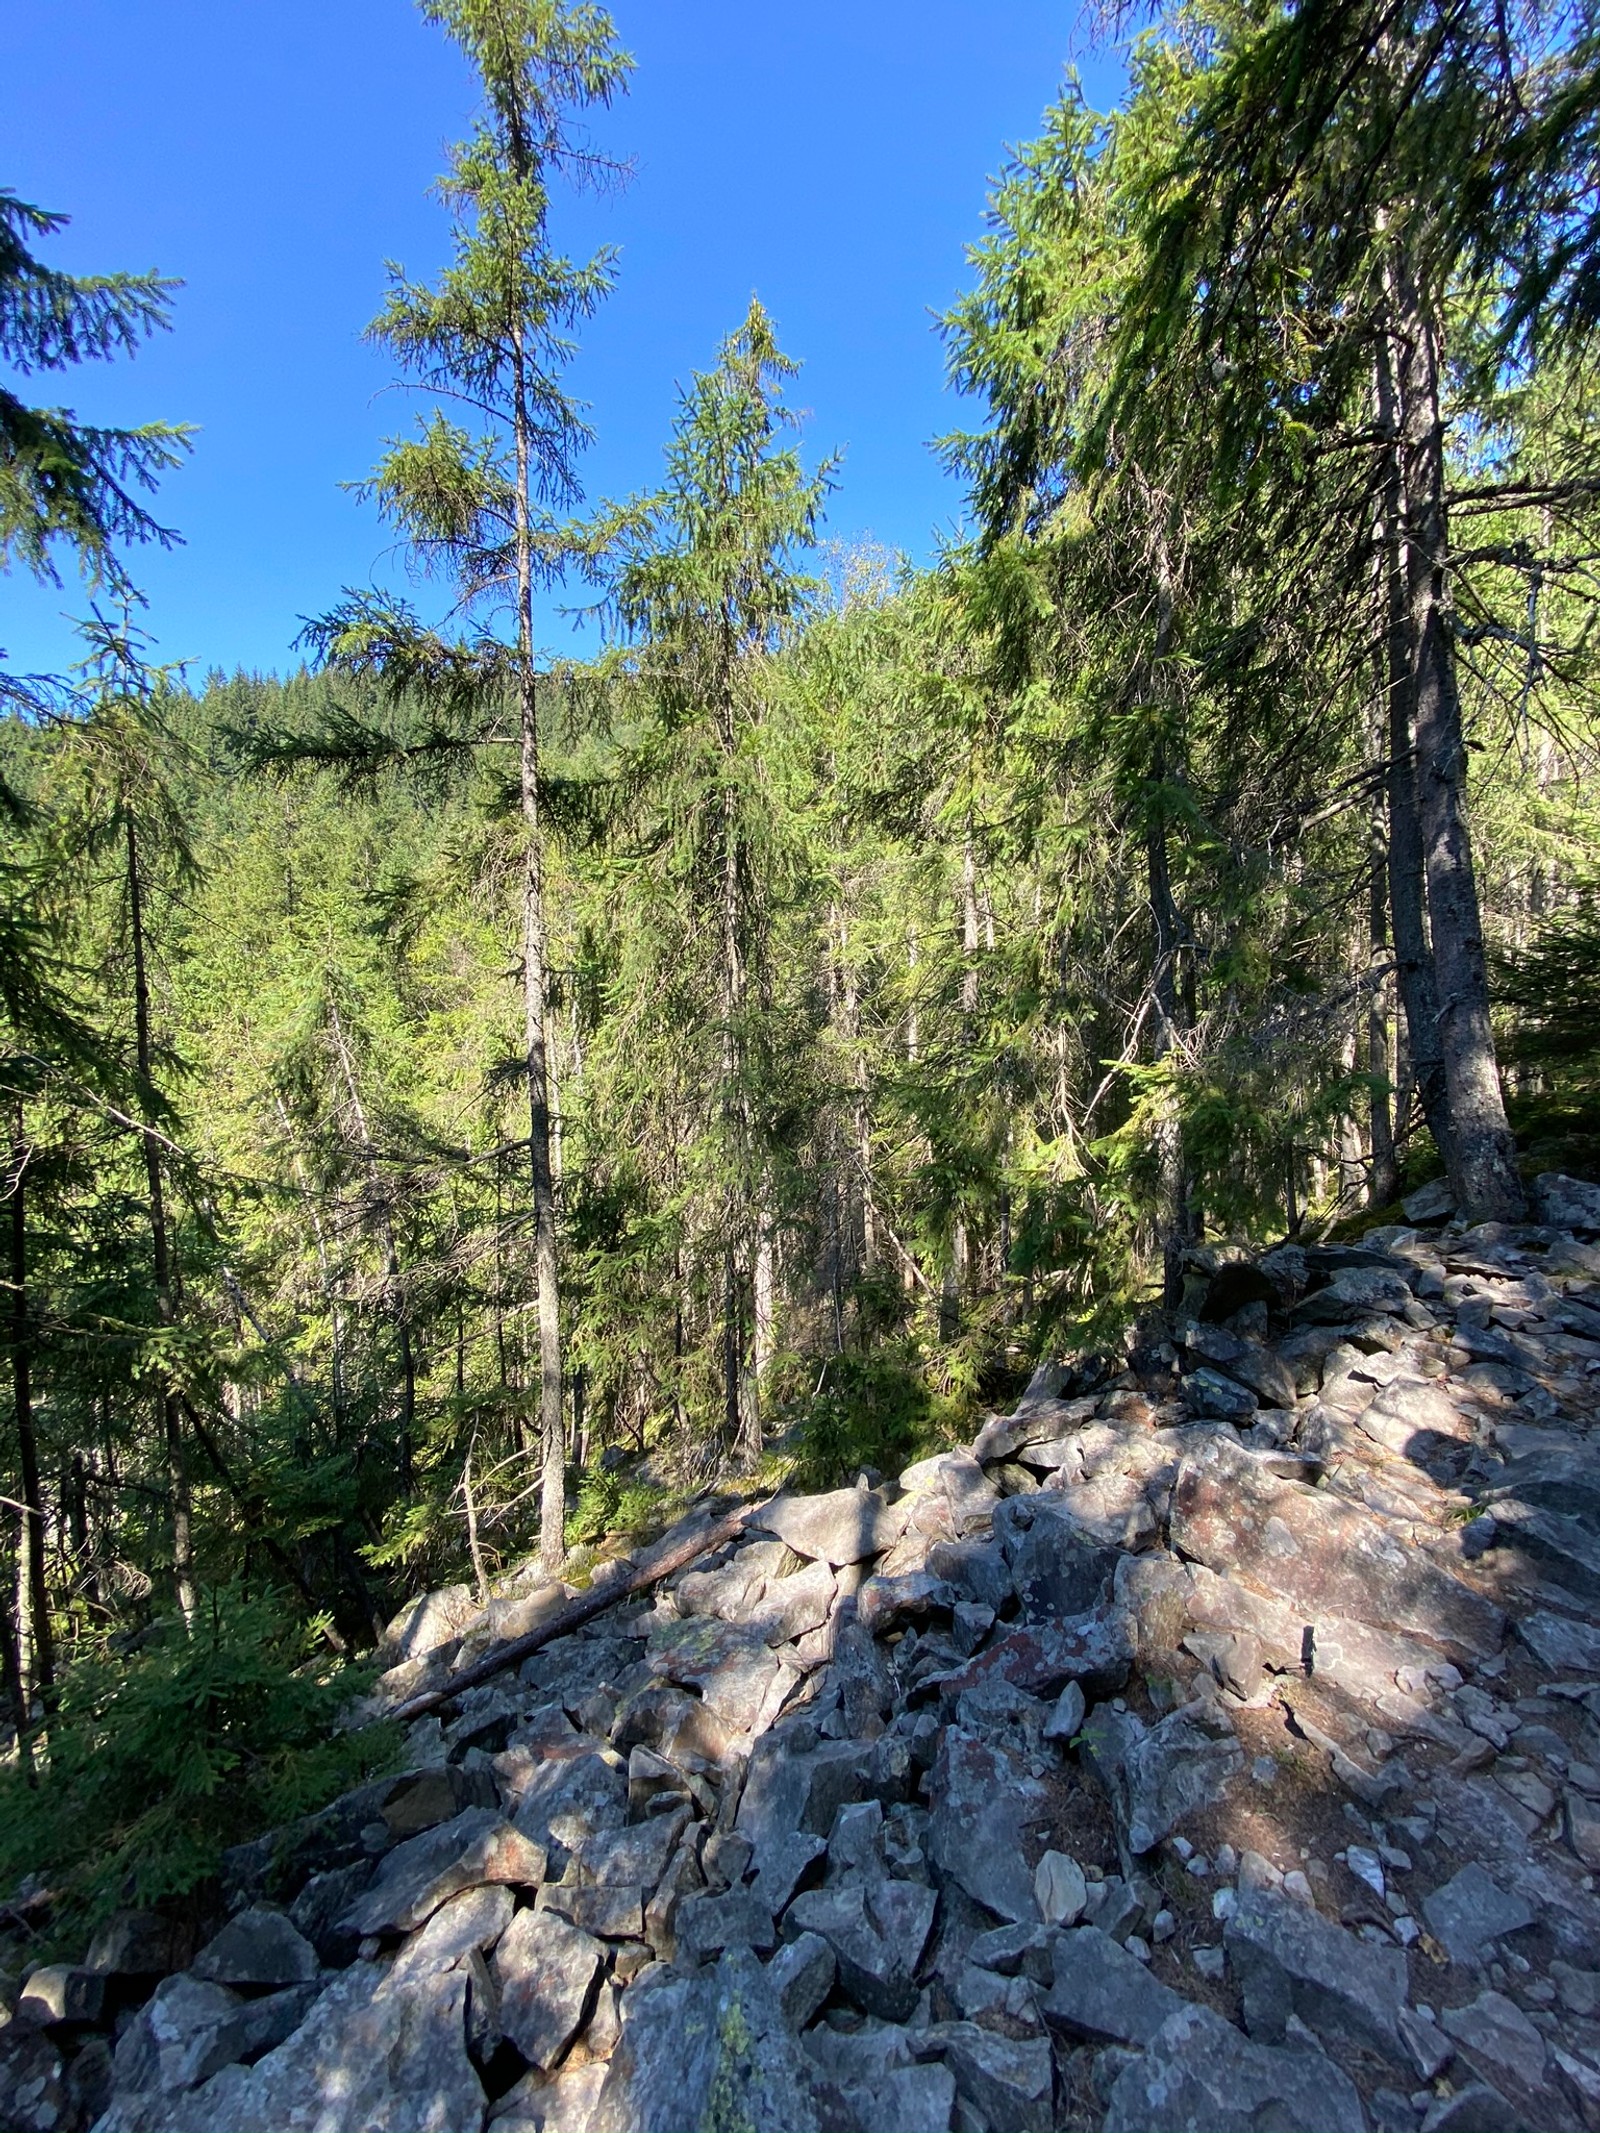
(1215, 1745)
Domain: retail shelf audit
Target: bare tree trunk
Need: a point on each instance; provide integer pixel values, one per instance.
(171, 1413)
(1384, 1182)
(16, 1693)
(535, 1003)
(379, 1187)
(1482, 1157)
(1413, 955)
(33, 1522)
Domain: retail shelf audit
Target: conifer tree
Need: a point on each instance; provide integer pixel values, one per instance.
(706, 582)
(494, 337)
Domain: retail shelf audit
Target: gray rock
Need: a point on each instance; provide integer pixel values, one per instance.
(546, 1970)
(1158, 1777)
(1093, 1649)
(1210, 1395)
(423, 1798)
(1477, 2109)
(1410, 1415)
(1433, 1202)
(1055, 1570)
(1565, 1480)
(190, 2029)
(562, 2102)
(782, 1864)
(1319, 1553)
(468, 1924)
(1103, 1994)
(1252, 1365)
(885, 1602)
(877, 1934)
(981, 1800)
(1563, 1549)
(1291, 1961)
(1198, 2074)
(846, 1526)
(369, 2058)
(321, 1905)
(62, 1994)
(802, 1974)
(635, 1857)
(540, 1789)
(910, 2099)
(426, 1623)
(1008, 2080)
(708, 2049)
(1471, 1911)
(33, 2090)
(790, 1606)
(138, 1944)
(976, 1569)
(1353, 1292)
(1017, 1951)
(787, 1793)
(1431, 2050)
(705, 1925)
(257, 1948)
(609, 1913)
(1066, 1720)
(1499, 2043)
(738, 1676)
(474, 1848)
(1566, 1203)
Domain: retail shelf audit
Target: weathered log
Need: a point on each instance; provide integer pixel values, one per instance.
(605, 1592)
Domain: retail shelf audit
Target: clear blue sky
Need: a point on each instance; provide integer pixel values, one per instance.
(272, 153)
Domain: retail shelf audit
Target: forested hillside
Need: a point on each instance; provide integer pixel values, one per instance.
(468, 1096)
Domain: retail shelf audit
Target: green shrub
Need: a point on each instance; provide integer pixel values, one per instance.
(154, 1764)
(876, 1410)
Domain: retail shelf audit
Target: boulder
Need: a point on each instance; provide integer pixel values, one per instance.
(1291, 1961)
(1100, 1994)
(911, 2099)
(802, 1974)
(1094, 1649)
(476, 1847)
(1055, 1569)
(190, 2029)
(739, 1678)
(1008, 2080)
(1433, 1202)
(585, 1786)
(62, 1994)
(845, 1526)
(1565, 1550)
(1246, 1361)
(877, 1934)
(33, 2089)
(1209, 1394)
(1472, 1911)
(981, 1801)
(258, 1947)
(426, 1623)
(977, 1570)
(1157, 1776)
(139, 1944)
(424, 1798)
(1566, 1203)
(468, 1924)
(1198, 2074)
(368, 2055)
(705, 1925)
(710, 2048)
(1499, 2043)
(1319, 1552)
(546, 1970)
(789, 1606)
(1353, 1293)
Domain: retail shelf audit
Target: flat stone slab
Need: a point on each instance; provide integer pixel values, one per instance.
(1198, 2074)
(845, 1526)
(1103, 1994)
(1290, 1961)
(546, 1969)
(1470, 1911)
(475, 1848)
(981, 1802)
(1320, 1553)
(1561, 1645)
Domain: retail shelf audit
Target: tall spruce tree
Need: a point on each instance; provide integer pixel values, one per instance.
(707, 583)
(494, 337)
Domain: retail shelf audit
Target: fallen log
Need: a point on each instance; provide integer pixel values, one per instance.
(606, 1591)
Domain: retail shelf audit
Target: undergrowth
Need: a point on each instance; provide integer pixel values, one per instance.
(154, 1764)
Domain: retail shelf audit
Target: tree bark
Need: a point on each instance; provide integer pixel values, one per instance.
(33, 1522)
(166, 1304)
(1482, 1158)
(535, 1008)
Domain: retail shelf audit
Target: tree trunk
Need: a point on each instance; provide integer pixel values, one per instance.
(535, 1009)
(1482, 1157)
(379, 1187)
(1413, 956)
(166, 1304)
(33, 1523)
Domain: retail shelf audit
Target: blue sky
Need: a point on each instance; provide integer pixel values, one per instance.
(832, 157)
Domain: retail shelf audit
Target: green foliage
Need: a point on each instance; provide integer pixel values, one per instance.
(880, 1410)
(609, 1502)
(158, 1761)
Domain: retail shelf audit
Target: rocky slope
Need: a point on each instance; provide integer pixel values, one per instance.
(1215, 1745)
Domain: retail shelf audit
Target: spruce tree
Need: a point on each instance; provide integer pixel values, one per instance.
(494, 337)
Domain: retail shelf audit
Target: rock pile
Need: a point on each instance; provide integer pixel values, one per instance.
(1215, 1745)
